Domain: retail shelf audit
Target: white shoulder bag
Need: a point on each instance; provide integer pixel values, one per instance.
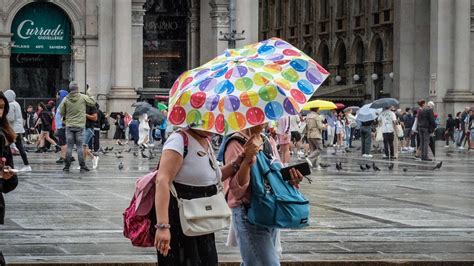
(202, 216)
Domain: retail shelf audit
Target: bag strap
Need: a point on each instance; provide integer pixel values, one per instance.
(236, 137)
(185, 146)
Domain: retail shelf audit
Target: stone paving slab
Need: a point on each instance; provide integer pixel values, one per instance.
(417, 216)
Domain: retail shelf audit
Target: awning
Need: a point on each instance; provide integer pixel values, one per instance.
(150, 93)
(341, 93)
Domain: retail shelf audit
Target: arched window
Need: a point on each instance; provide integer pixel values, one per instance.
(378, 68)
(324, 59)
(341, 63)
(359, 62)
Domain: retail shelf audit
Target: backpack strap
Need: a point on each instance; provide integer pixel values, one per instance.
(236, 137)
(185, 142)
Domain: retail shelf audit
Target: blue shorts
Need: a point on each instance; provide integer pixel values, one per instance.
(88, 135)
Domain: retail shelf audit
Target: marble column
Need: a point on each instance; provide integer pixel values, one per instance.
(219, 23)
(106, 42)
(247, 19)
(350, 72)
(461, 96)
(369, 83)
(79, 59)
(5, 53)
(122, 94)
(194, 34)
(137, 43)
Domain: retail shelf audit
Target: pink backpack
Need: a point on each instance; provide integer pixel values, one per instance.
(136, 218)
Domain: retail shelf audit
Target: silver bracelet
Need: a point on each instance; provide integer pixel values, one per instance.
(162, 226)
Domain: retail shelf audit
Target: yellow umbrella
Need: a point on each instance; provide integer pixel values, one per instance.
(321, 104)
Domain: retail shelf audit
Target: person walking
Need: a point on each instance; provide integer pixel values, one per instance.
(60, 127)
(366, 129)
(387, 118)
(143, 130)
(314, 128)
(426, 125)
(45, 123)
(194, 175)
(8, 179)
(331, 128)
(284, 139)
(257, 244)
(350, 124)
(407, 119)
(119, 134)
(463, 123)
(449, 131)
(73, 111)
(30, 129)
(15, 118)
(91, 121)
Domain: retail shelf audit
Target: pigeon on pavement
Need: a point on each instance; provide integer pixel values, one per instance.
(120, 166)
(438, 166)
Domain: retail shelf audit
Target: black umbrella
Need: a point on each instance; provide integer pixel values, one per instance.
(384, 103)
(155, 116)
(114, 115)
(141, 110)
(141, 104)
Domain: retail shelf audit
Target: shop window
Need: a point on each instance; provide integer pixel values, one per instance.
(164, 42)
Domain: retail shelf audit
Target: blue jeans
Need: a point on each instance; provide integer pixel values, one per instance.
(74, 135)
(256, 243)
(88, 135)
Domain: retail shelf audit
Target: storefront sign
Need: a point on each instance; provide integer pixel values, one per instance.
(41, 28)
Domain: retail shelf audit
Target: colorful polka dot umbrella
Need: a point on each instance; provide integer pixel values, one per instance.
(245, 87)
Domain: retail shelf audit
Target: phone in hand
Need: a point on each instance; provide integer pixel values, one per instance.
(303, 168)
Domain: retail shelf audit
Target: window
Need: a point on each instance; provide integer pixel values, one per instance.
(308, 11)
(164, 42)
(278, 14)
(293, 13)
(324, 10)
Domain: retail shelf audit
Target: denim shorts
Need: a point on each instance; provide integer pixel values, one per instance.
(88, 135)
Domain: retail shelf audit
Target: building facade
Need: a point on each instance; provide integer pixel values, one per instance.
(407, 49)
(121, 50)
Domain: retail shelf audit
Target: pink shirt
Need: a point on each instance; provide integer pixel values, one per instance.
(237, 194)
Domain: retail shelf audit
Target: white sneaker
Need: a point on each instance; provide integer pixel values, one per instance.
(369, 155)
(95, 162)
(309, 162)
(26, 168)
(461, 148)
(446, 146)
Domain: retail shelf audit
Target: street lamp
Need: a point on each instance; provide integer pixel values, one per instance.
(391, 75)
(356, 77)
(374, 76)
(338, 78)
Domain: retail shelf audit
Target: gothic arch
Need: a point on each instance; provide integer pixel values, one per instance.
(74, 13)
(375, 45)
(323, 55)
(340, 50)
(356, 47)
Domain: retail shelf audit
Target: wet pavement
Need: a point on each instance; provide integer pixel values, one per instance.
(409, 213)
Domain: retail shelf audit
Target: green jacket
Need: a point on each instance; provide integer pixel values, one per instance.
(73, 109)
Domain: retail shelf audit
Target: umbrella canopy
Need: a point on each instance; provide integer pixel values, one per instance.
(162, 106)
(353, 109)
(114, 115)
(141, 110)
(321, 104)
(366, 113)
(245, 87)
(155, 116)
(339, 105)
(141, 104)
(384, 102)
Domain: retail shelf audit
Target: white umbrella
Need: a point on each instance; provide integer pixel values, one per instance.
(367, 114)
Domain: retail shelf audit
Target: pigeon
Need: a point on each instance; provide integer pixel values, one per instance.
(135, 154)
(151, 156)
(390, 167)
(143, 155)
(106, 149)
(339, 166)
(375, 167)
(438, 166)
(362, 167)
(118, 155)
(111, 149)
(324, 165)
(405, 170)
(120, 166)
(129, 150)
(367, 166)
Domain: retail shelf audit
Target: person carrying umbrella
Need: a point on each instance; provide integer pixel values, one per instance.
(366, 117)
(388, 119)
(224, 96)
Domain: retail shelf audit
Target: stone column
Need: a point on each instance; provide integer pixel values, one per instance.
(122, 94)
(5, 53)
(194, 31)
(461, 95)
(137, 43)
(247, 19)
(105, 53)
(369, 83)
(79, 58)
(220, 23)
(350, 72)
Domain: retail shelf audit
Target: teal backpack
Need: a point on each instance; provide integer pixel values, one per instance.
(275, 203)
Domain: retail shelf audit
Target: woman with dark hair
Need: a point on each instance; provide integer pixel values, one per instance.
(46, 120)
(119, 128)
(8, 178)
